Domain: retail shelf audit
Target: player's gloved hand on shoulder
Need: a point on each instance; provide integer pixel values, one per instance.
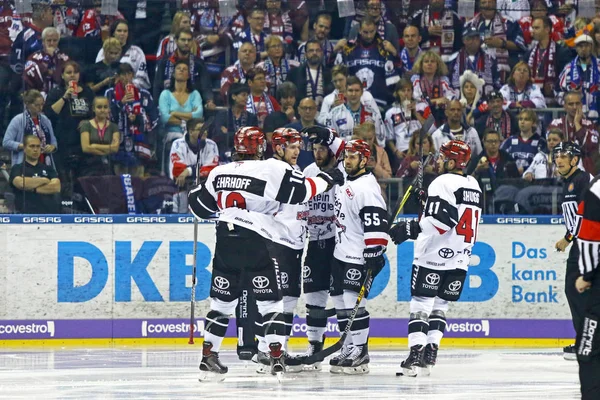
(374, 259)
(319, 135)
(332, 176)
(404, 231)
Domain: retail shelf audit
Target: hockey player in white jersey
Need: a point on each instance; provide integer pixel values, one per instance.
(361, 241)
(445, 235)
(241, 193)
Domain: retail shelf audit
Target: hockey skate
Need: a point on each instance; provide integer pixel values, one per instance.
(429, 358)
(570, 353)
(264, 362)
(357, 363)
(334, 363)
(414, 362)
(210, 366)
(277, 357)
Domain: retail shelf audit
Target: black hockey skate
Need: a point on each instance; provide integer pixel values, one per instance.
(298, 363)
(411, 366)
(334, 363)
(245, 353)
(277, 359)
(357, 363)
(429, 357)
(210, 366)
(264, 362)
(570, 353)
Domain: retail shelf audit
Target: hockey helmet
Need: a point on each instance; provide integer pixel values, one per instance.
(285, 136)
(458, 151)
(570, 148)
(358, 146)
(250, 140)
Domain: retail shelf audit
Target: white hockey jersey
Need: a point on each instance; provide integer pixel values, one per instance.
(366, 98)
(469, 136)
(182, 157)
(137, 59)
(321, 212)
(401, 125)
(449, 223)
(361, 218)
(344, 121)
(245, 192)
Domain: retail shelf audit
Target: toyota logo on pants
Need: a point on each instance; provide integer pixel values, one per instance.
(454, 286)
(284, 278)
(260, 282)
(353, 274)
(221, 283)
(432, 279)
(306, 271)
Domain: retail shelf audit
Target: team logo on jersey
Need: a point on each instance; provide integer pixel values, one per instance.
(350, 193)
(284, 278)
(455, 286)
(260, 282)
(446, 253)
(571, 187)
(221, 283)
(366, 76)
(353, 274)
(306, 271)
(432, 279)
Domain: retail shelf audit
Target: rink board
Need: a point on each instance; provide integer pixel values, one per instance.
(126, 279)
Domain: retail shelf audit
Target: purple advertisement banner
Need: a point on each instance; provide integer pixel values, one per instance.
(179, 328)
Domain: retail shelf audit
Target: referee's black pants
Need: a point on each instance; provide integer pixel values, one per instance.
(576, 300)
(589, 366)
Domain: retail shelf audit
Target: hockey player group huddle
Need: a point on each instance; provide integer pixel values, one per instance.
(266, 209)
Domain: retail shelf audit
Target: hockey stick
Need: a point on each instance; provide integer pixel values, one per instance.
(319, 356)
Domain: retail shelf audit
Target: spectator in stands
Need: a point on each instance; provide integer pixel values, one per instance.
(286, 96)
(503, 38)
(371, 59)
(260, 102)
(198, 74)
(546, 57)
(168, 45)
(30, 122)
(94, 24)
(492, 163)
(34, 182)
(322, 27)
(43, 68)
(411, 51)
(440, 27)
(100, 139)
(345, 117)
(580, 130)
(472, 58)
(454, 129)
(362, 12)
(191, 155)
(539, 9)
(596, 36)
(385, 29)
(519, 91)
(134, 112)
(405, 118)
(238, 71)
(228, 121)
(379, 162)
(101, 75)
(307, 110)
(495, 117)
(431, 84)
(6, 15)
(276, 66)
(514, 9)
(67, 105)
(131, 54)
(251, 33)
(524, 146)
(471, 90)
(311, 78)
(583, 74)
(339, 75)
(542, 166)
(278, 22)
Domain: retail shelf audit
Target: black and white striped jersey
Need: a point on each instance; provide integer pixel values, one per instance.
(573, 189)
(588, 236)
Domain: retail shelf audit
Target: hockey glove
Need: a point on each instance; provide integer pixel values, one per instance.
(374, 259)
(319, 135)
(404, 231)
(333, 177)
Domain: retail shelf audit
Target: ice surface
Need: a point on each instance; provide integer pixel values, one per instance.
(152, 373)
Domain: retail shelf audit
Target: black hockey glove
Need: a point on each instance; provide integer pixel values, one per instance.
(319, 135)
(374, 259)
(404, 231)
(332, 176)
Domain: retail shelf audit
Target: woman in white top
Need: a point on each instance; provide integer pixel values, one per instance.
(131, 54)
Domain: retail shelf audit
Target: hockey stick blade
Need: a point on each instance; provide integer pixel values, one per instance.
(321, 355)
